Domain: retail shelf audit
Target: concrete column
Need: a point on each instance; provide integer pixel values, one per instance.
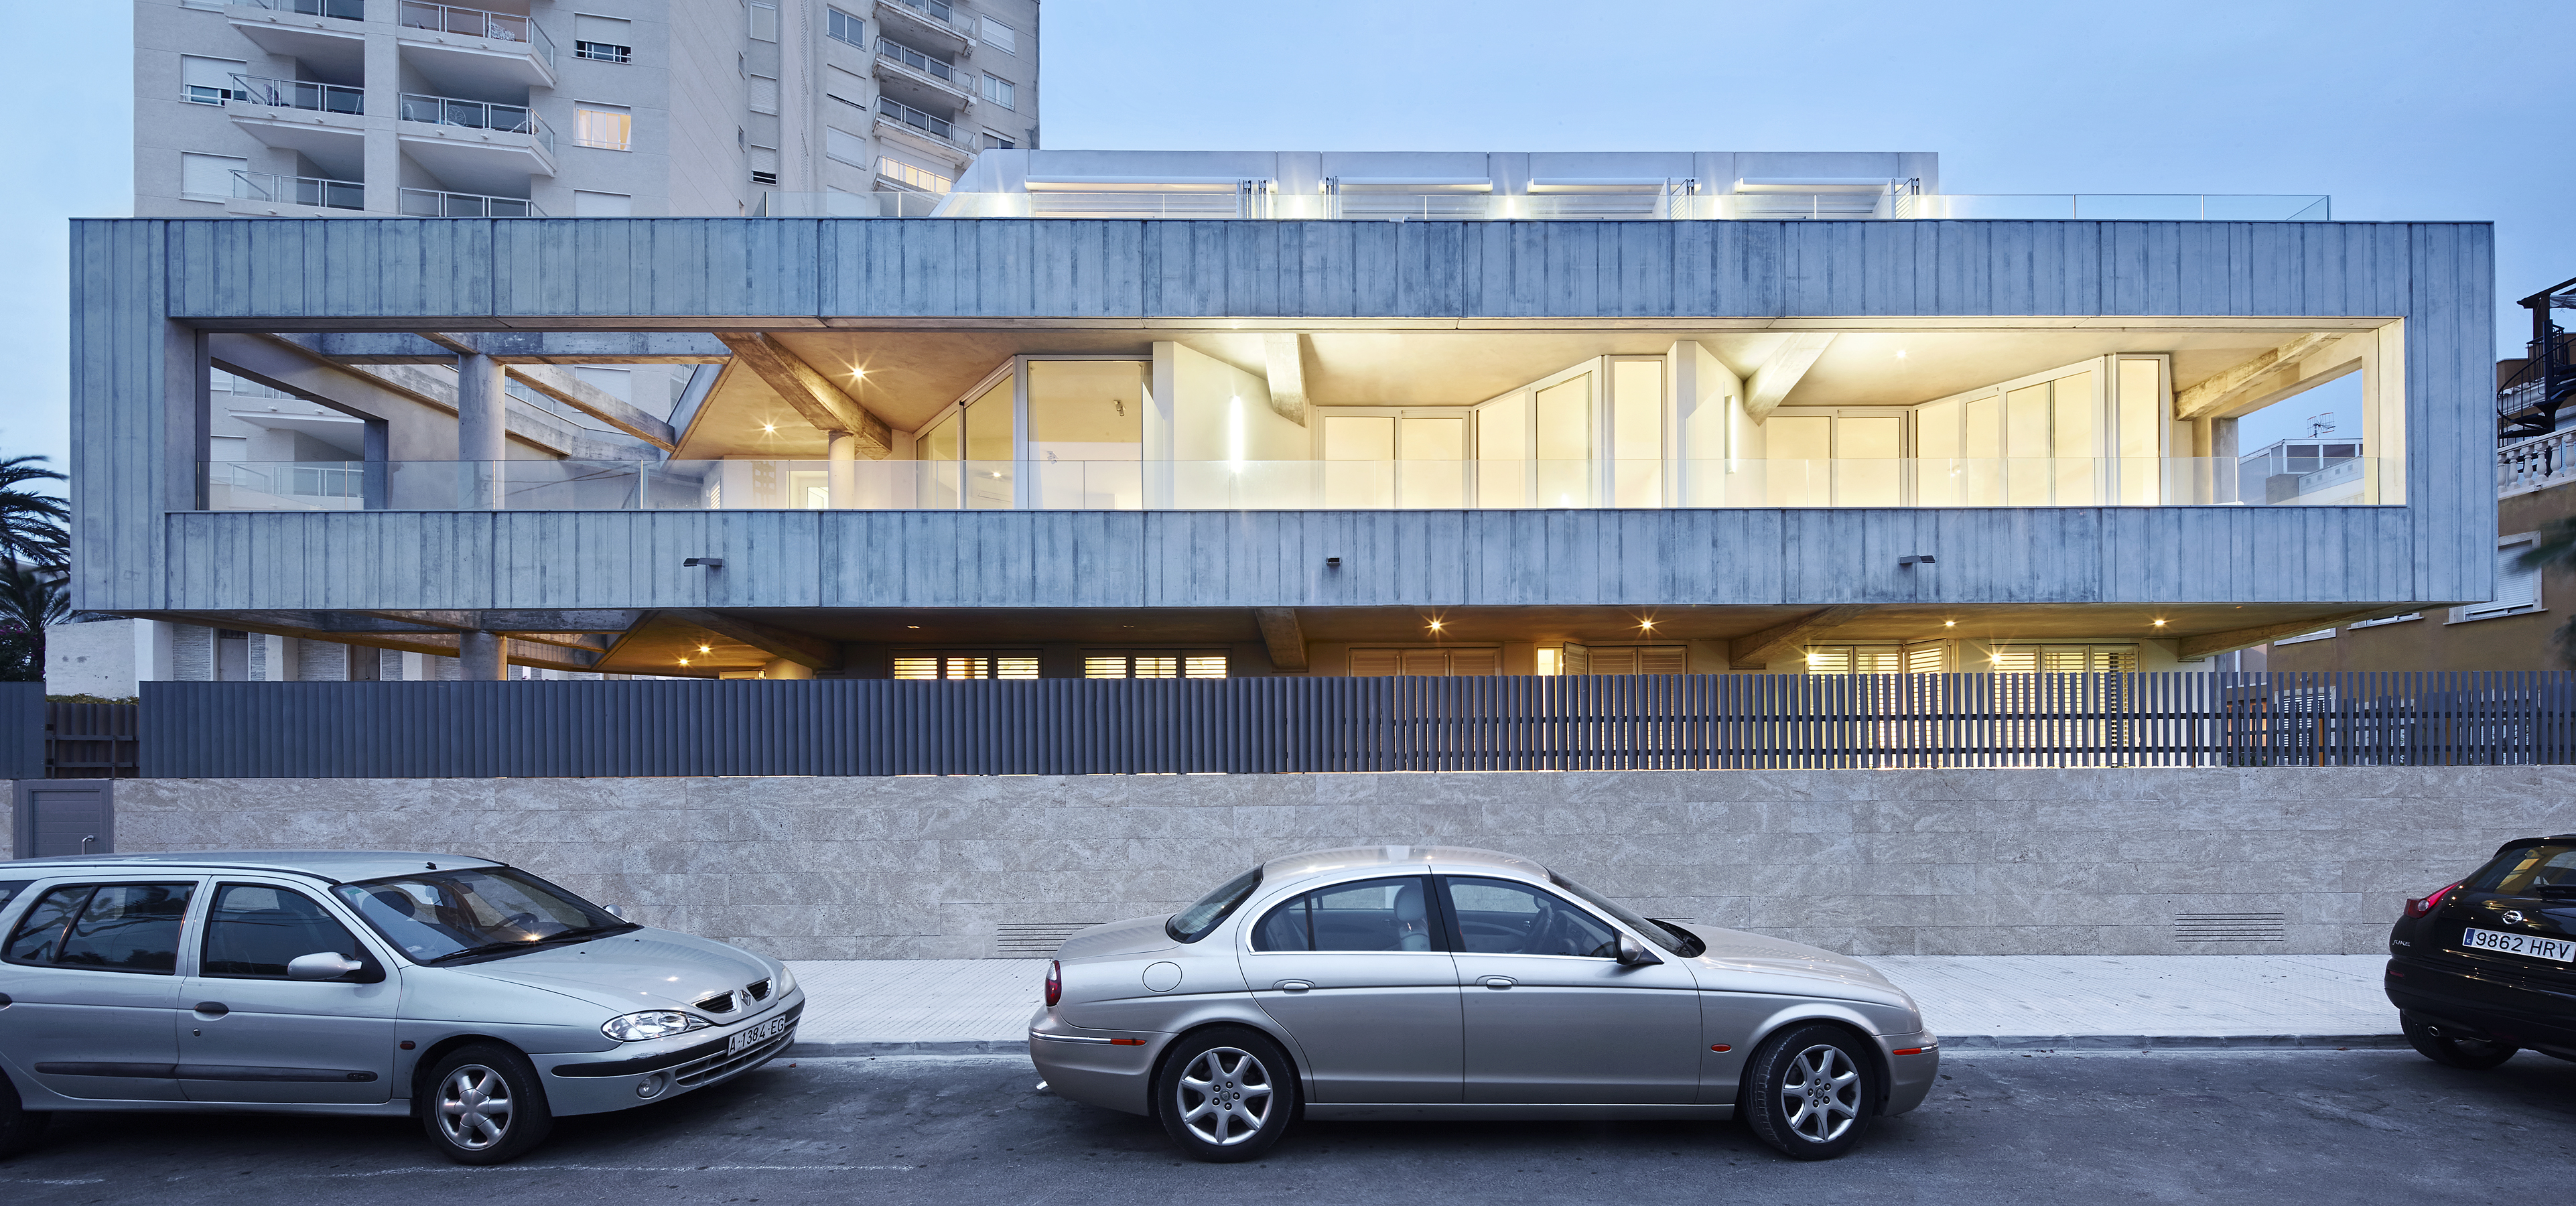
(781, 668)
(844, 454)
(383, 152)
(482, 431)
(479, 657)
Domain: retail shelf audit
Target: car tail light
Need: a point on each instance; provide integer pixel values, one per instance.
(1055, 982)
(2418, 908)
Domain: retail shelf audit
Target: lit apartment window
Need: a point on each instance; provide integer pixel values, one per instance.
(608, 127)
(1621, 659)
(605, 39)
(1154, 663)
(966, 665)
(2061, 659)
(1000, 91)
(1001, 37)
(1426, 662)
(207, 81)
(846, 28)
(995, 142)
(912, 177)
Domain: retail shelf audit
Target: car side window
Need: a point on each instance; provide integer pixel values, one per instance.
(1371, 915)
(254, 930)
(104, 927)
(1499, 917)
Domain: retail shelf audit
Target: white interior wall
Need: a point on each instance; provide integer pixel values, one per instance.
(1222, 413)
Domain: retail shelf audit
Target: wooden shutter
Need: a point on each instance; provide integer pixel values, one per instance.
(1376, 663)
(1663, 659)
(1578, 659)
(1475, 662)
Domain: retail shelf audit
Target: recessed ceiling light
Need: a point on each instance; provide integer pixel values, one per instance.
(706, 648)
(1437, 625)
(771, 428)
(912, 625)
(1949, 623)
(684, 661)
(2159, 623)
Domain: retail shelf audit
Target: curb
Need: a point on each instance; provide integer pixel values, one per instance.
(1949, 1042)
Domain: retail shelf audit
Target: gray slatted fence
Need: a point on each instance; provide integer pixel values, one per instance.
(1271, 725)
(22, 730)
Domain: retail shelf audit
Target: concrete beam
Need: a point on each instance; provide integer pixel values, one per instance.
(2238, 383)
(1771, 383)
(1285, 637)
(2210, 644)
(1284, 356)
(812, 394)
(561, 385)
(295, 363)
(796, 647)
(340, 629)
(523, 620)
(1758, 648)
(523, 347)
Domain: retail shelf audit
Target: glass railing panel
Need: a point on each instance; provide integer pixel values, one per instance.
(346, 10)
(299, 190)
(299, 94)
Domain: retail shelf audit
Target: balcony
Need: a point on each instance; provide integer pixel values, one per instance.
(318, 32)
(323, 121)
(1067, 485)
(934, 132)
(931, 17)
(476, 49)
(344, 10)
(431, 203)
(903, 67)
(298, 94)
(487, 148)
(254, 189)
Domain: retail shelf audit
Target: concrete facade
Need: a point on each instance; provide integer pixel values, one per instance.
(1868, 862)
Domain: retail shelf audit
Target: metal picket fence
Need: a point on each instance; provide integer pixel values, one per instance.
(1276, 725)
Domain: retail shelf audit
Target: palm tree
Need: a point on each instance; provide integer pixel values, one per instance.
(31, 597)
(32, 524)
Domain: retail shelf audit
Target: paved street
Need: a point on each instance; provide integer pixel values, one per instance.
(2264, 1126)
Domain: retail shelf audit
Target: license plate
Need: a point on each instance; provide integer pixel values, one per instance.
(753, 1036)
(2558, 949)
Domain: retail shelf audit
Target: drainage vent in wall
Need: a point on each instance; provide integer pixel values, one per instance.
(2231, 927)
(1038, 938)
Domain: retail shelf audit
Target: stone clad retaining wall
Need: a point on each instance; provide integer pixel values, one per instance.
(1869, 862)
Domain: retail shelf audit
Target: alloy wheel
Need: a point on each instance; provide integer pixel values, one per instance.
(1820, 1093)
(474, 1107)
(1225, 1096)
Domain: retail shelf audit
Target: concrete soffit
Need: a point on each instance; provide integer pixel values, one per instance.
(2210, 644)
(823, 404)
(1760, 648)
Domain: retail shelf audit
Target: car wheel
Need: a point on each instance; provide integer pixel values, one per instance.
(483, 1105)
(1226, 1094)
(2474, 1054)
(1806, 1092)
(19, 1127)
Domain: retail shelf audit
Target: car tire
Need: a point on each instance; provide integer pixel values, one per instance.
(19, 1127)
(483, 1104)
(1226, 1094)
(1807, 1092)
(2476, 1055)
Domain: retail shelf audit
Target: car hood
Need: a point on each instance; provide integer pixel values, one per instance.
(639, 969)
(1741, 962)
(1135, 935)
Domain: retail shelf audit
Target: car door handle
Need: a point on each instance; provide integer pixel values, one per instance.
(213, 1009)
(1294, 985)
(1498, 981)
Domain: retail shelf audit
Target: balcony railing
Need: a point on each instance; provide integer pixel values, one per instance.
(895, 110)
(1559, 207)
(592, 485)
(935, 13)
(431, 203)
(346, 10)
(298, 94)
(476, 23)
(897, 51)
(2531, 464)
(477, 115)
(299, 190)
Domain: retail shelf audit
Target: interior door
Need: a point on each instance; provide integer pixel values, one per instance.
(250, 1034)
(91, 973)
(1550, 1015)
(1357, 975)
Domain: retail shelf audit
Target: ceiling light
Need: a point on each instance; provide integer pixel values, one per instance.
(1437, 625)
(857, 373)
(684, 661)
(912, 625)
(1949, 623)
(1645, 623)
(771, 428)
(706, 648)
(2159, 623)
(1900, 353)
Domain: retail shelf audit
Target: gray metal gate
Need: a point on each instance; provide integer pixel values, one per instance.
(63, 816)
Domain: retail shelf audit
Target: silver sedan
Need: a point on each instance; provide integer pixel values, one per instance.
(1441, 983)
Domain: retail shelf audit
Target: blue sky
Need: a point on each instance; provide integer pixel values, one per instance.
(2408, 110)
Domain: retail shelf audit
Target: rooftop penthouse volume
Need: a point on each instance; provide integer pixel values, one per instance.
(1479, 186)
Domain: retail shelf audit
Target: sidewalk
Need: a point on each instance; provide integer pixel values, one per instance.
(951, 1006)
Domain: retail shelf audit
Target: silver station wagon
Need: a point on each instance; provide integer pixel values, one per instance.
(1439, 983)
(472, 995)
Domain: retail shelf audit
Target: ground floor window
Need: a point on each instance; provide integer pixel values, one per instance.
(2062, 659)
(967, 664)
(1153, 663)
(1436, 661)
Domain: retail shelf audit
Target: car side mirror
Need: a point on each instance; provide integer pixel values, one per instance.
(1633, 953)
(323, 965)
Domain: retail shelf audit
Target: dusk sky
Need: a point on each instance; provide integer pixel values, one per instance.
(2399, 110)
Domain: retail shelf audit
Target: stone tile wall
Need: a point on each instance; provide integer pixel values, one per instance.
(1868, 862)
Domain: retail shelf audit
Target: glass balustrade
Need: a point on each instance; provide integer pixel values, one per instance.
(1647, 205)
(1131, 485)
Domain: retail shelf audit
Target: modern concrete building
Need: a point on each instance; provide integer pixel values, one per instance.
(1171, 414)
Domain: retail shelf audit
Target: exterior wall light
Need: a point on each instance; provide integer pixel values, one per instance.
(713, 563)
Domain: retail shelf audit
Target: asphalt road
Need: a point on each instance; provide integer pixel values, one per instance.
(2272, 1127)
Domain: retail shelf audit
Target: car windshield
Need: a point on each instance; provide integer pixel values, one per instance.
(1671, 937)
(2542, 868)
(1194, 922)
(489, 911)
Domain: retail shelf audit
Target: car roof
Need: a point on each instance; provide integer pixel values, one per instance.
(1314, 861)
(337, 866)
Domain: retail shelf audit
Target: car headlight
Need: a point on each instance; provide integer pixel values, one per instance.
(652, 1024)
(785, 983)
